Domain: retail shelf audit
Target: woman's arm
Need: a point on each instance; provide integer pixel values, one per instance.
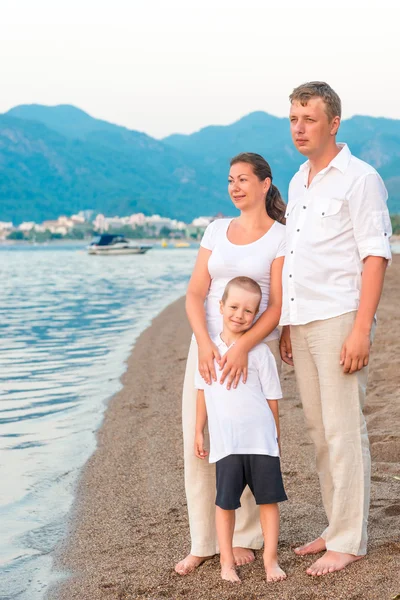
(195, 296)
(201, 418)
(234, 362)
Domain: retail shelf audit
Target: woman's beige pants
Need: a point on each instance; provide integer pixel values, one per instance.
(200, 479)
(333, 403)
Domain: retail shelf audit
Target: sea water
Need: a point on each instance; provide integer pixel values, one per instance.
(67, 323)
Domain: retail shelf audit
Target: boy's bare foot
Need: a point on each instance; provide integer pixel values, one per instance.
(243, 556)
(228, 573)
(274, 572)
(314, 547)
(330, 562)
(190, 563)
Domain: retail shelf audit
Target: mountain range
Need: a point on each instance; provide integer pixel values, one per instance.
(59, 160)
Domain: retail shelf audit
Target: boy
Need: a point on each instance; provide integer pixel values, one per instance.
(244, 432)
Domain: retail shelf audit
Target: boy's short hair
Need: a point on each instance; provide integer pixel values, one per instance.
(318, 89)
(245, 283)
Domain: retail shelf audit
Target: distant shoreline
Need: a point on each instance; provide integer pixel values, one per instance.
(86, 242)
(395, 239)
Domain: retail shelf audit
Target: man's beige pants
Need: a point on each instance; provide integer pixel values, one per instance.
(200, 479)
(333, 403)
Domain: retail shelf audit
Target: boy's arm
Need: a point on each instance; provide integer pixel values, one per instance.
(201, 418)
(273, 404)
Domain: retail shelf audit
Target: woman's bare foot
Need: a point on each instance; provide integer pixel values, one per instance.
(314, 547)
(228, 573)
(274, 572)
(243, 556)
(330, 562)
(190, 563)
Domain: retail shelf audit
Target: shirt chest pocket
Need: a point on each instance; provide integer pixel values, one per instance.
(328, 213)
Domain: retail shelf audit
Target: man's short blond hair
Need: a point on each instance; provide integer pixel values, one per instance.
(318, 89)
(245, 283)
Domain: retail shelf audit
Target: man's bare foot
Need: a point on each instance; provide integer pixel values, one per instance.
(243, 556)
(330, 562)
(189, 564)
(274, 572)
(314, 547)
(228, 573)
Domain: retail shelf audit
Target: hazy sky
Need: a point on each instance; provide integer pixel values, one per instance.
(166, 66)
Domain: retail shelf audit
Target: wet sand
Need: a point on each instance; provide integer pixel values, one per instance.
(129, 524)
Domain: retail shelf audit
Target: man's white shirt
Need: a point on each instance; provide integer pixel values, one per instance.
(331, 227)
(240, 420)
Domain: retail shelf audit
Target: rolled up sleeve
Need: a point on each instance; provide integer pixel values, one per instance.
(370, 217)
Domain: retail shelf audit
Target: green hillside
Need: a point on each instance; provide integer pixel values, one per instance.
(114, 171)
(59, 160)
(375, 140)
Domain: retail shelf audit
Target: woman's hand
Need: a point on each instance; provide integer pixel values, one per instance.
(234, 364)
(208, 351)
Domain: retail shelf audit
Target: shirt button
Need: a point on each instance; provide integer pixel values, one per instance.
(291, 252)
(299, 230)
(304, 206)
(323, 214)
(290, 275)
(292, 299)
(385, 233)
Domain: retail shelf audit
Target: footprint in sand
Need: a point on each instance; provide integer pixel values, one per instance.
(393, 510)
(387, 450)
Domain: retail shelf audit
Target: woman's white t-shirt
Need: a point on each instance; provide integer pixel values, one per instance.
(231, 260)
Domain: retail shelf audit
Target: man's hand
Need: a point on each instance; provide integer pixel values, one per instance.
(207, 353)
(285, 346)
(234, 364)
(199, 445)
(354, 355)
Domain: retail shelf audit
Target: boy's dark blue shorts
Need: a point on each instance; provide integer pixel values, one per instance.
(262, 473)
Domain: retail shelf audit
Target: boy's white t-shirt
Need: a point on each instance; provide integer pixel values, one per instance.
(240, 420)
(231, 260)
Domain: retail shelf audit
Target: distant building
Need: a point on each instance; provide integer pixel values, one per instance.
(6, 225)
(61, 226)
(27, 226)
(100, 223)
(78, 219)
(202, 221)
(5, 228)
(137, 220)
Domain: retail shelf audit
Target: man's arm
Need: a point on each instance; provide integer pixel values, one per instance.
(355, 350)
(201, 418)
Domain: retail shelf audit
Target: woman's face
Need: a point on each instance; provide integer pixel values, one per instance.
(244, 187)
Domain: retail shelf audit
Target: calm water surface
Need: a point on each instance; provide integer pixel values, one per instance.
(67, 324)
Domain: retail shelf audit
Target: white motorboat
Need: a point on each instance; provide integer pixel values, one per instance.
(108, 244)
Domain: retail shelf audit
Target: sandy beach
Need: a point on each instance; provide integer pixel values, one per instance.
(129, 523)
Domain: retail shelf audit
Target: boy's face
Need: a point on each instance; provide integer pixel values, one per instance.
(239, 309)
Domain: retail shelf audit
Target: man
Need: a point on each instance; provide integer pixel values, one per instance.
(338, 230)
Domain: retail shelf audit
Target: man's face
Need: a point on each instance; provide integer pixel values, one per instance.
(311, 130)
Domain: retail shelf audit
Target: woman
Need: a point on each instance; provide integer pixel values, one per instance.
(252, 244)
